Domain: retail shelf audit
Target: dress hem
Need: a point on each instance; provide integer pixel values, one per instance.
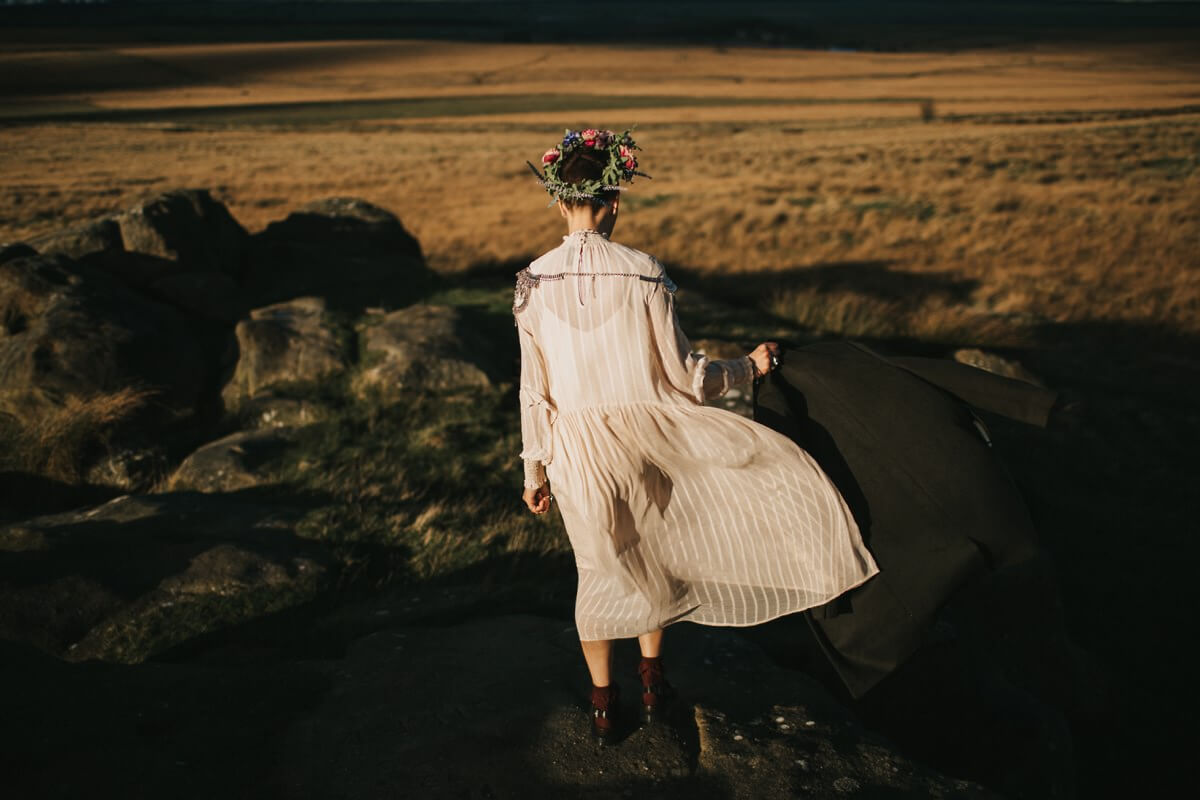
(684, 616)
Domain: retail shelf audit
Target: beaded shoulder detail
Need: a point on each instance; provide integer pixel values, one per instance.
(527, 281)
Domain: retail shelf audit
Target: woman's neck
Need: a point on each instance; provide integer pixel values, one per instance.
(586, 217)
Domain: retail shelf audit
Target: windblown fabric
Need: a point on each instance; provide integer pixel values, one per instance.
(933, 501)
(675, 510)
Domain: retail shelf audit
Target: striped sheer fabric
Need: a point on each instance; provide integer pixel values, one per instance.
(675, 510)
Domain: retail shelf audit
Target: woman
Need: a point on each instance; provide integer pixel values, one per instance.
(675, 510)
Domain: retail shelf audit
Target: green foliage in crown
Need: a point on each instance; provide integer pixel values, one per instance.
(622, 163)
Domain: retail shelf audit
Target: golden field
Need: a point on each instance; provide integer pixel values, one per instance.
(1052, 184)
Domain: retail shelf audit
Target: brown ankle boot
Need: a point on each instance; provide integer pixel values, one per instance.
(606, 713)
(656, 692)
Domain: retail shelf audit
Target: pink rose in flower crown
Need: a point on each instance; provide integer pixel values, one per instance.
(589, 136)
(550, 156)
(627, 157)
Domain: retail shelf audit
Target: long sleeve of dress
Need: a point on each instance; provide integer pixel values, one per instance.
(537, 410)
(696, 374)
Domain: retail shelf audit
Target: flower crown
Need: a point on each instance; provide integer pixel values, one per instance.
(622, 163)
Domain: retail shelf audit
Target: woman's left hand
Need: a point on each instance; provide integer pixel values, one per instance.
(765, 357)
(538, 499)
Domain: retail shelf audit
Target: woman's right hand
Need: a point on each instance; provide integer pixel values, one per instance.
(762, 356)
(538, 500)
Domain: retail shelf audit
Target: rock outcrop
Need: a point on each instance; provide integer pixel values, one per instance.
(186, 226)
(350, 252)
(421, 347)
(285, 343)
(9, 252)
(141, 574)
(232, 462)
(210, 296)
(66, 328)
(101, 235)
(513, 708)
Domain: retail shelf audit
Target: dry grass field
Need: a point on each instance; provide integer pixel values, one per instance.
(1052, 184)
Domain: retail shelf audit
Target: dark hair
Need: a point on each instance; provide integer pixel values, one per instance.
(585, 164)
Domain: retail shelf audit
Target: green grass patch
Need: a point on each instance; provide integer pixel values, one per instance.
(423, 488)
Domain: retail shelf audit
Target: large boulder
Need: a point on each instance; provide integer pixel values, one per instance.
(186, 226)
(281, 344)
(11, 252)
(232, 462)
(69, 329)
(211, 296)
(84, 239)
(348, 251)
(141, 574)
(417, 348)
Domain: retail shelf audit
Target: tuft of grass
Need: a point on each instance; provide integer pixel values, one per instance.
(57, 442)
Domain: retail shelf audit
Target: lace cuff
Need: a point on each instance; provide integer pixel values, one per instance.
(699, 376)
(714, 377)
(738, 371)
(535, 473)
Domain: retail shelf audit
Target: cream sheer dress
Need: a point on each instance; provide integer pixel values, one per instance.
(675, 510)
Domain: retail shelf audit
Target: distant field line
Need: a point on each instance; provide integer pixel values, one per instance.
(403, 108)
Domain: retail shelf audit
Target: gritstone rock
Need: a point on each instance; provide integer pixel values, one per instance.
(348, 251)
(69, 329)
(419, 347)
(281, 344)
(230, 463)
(186, 226)
(77, 241)
(525, 731)
(9, 252)
(140, 574)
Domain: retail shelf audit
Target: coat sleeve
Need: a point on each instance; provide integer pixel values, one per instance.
(695, 374)
(537, 409)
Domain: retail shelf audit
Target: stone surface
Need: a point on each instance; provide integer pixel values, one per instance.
(8, 252)
(408, 707)
(232, 462)
(143, 573)
(419, 347)
(186, 226)
(996, 364)
(131, 469)
(284, 343)
(346, 250)
(266, 410)
(136, 270)
(212, 296)
(67, 328)
(77, 241)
